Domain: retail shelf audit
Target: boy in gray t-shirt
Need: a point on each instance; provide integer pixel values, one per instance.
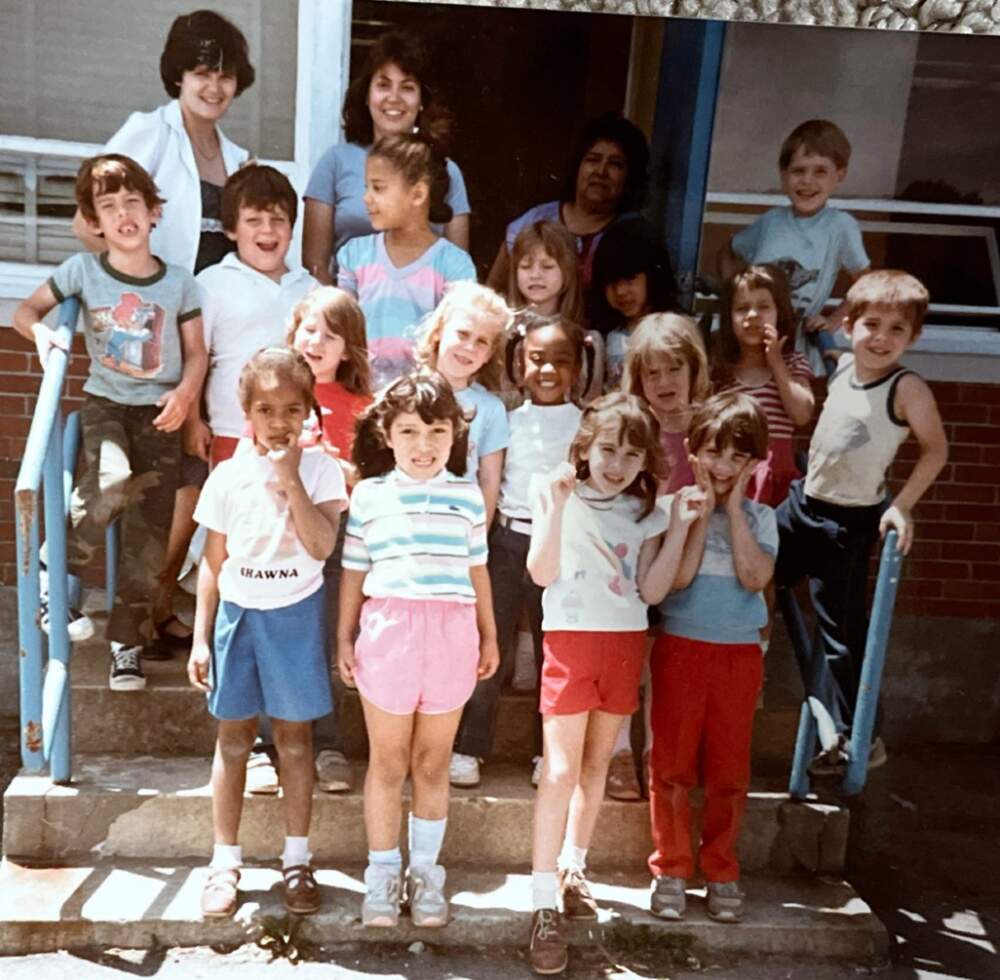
(142, 327)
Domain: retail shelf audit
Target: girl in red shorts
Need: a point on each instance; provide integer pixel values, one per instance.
(599, 550)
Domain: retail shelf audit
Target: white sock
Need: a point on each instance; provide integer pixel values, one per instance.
(765, 646)
(572, 856)
(226, 856)
(426, 838)
(623, 743)
(389, 859)
(544, 890)
(296, 852)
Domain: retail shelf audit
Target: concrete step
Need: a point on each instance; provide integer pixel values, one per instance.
(170, 717)
(160, 809)
(135, 905)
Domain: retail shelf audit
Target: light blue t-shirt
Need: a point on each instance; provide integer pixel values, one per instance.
(394, 299)
(488, 430)
(131, 326)
(810, 251)
(339, 180)
(715, 608)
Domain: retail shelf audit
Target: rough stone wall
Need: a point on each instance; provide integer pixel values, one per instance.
(955, 16)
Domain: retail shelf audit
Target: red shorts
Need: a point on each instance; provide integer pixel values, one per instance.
(588, 671)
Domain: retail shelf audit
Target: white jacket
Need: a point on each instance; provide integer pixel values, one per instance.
(158, 142)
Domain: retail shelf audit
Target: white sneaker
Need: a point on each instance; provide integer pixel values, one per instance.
(463, 770)
(126, 668)
(79, 626)
(536, 771)
(383, 891)
(428, 906)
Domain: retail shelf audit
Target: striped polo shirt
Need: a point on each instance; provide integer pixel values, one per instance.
(416, 539)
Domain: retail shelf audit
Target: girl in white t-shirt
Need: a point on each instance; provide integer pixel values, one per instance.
(549, 353)
(598, 549)
(259, 636)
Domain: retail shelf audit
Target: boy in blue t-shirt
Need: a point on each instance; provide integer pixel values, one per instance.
(811, 242)
(706, 665)
(142, 327)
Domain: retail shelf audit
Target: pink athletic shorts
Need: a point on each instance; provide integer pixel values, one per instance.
(587, 671)
(417, 655)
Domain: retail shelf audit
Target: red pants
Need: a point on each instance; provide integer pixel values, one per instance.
(704, 696)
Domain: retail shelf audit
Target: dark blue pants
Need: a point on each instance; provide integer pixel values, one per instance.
(831, 546)
(513, 591)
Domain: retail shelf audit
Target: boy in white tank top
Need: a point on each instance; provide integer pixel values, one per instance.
(832, 518)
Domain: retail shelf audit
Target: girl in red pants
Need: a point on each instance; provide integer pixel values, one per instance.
(706, 665)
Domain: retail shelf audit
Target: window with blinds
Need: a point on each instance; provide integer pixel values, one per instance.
(75, 70)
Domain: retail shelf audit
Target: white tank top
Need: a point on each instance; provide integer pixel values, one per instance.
(856, 439)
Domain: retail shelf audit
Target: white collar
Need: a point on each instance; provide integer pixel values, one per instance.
(396, 475)
(232, 261)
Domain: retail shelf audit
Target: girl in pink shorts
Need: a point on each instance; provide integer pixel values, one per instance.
(602, 549)
(415, 582)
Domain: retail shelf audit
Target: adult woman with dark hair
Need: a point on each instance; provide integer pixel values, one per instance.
(605, 180)
(389, 96)
(204, 66)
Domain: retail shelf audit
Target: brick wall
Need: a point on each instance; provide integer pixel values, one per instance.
(953, 569)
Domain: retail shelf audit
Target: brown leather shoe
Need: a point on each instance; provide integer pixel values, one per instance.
(219, 897)
(548, 952)
(622, 782)
(301, 890)
(578, 903)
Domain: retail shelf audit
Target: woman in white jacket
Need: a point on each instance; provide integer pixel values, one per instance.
(204, 66)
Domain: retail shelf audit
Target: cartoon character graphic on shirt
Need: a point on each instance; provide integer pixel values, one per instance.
(832, 448)
(132, 333)
(798, 278)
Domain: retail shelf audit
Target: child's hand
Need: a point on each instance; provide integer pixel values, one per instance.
(814, 323)
(46, 340)
(345, 663)
(197, 667)
(773, 344)
(899, 520)
(686, 507)
(285, 460)
(703, 482)
(738, 493)
(562, 482)
(489, 658)
(175, 405)
(197, 438)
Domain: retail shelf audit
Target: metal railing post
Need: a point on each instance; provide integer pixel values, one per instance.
(56, 688)
(71, 448)
(876, 645)
(29, 633)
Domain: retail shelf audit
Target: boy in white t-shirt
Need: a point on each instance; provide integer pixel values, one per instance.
(260, 630)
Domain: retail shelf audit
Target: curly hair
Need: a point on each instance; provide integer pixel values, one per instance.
(279, 365)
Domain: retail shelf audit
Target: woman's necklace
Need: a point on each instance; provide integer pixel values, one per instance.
(207, 157)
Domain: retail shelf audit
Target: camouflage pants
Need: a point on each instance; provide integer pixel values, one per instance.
(130, 469)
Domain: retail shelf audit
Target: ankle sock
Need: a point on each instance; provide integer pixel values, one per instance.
(544, 890)
(226, 856)
(388, 859)
(426, 838)
(296, 852)
(572, 856)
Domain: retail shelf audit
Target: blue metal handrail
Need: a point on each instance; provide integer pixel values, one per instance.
(44, 682)
(876, 644)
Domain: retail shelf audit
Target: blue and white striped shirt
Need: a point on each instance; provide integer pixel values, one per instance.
(416, 539)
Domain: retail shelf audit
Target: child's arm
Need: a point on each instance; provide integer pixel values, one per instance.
(694, 546)
(490, 475)
(753, 565)
(317, 239)
(796, 397)
(315, 524)
(833, 320)
(351, 600)
(660, 557)
(489, 652)
(28, 321)
(178, 404)
(204, 614)
(915, 405)
(728, 262)
(546, 525)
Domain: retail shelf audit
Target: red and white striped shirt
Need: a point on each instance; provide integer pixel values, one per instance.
(779, 425)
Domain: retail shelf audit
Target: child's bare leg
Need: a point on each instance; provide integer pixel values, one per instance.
(229, 768)
(564, 737)
(182, 528)
(433, 736)
(589, 792)
(293, 740)
(389, 739)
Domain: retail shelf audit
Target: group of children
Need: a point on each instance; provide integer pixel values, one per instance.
(371, 499)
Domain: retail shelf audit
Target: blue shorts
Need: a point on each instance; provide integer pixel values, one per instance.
(271, 660)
